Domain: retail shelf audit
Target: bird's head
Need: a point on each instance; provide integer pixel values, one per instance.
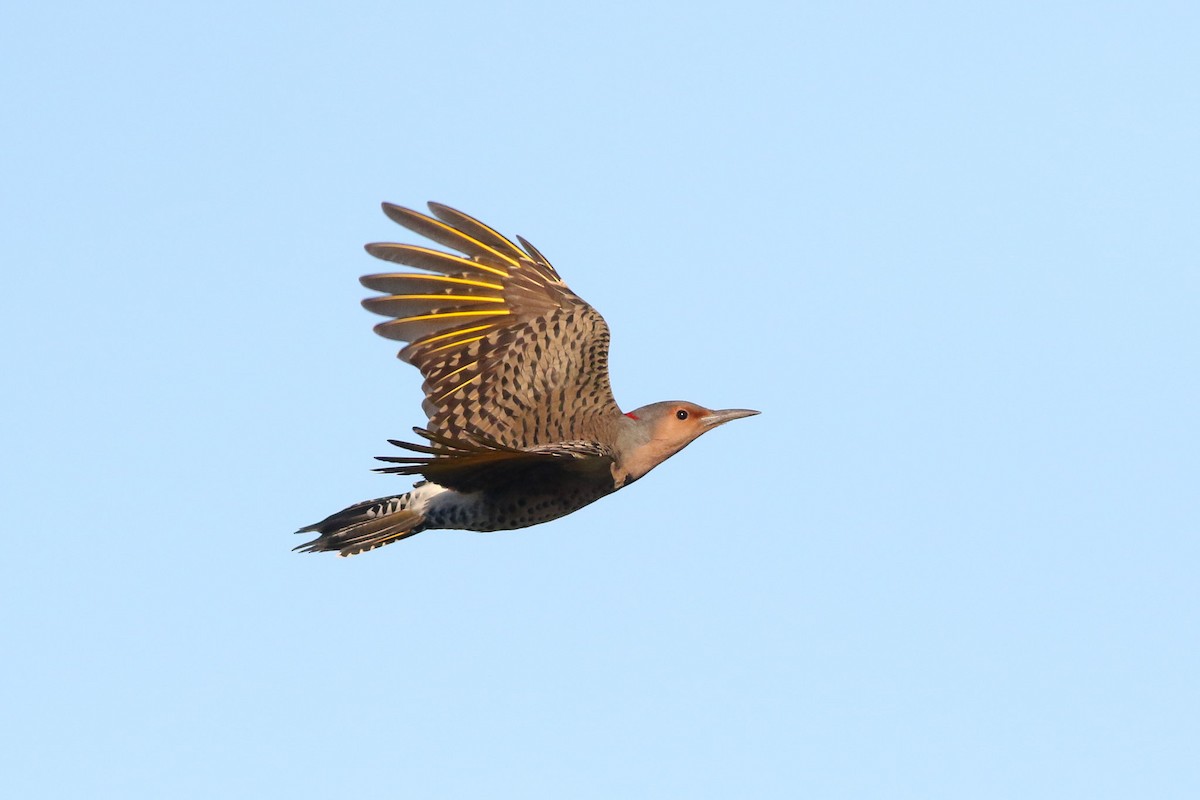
(654, 433)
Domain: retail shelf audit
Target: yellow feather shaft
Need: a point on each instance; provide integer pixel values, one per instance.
(447, 279)
(451, 344)
(462, 385)
(450, 375)
(456, 232)
(441, 336)
(461, 297)
(382, 248)
(451, 314)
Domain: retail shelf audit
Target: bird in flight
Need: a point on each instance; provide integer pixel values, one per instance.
(523, 427)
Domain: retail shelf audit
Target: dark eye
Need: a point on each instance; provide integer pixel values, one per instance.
(681, 414)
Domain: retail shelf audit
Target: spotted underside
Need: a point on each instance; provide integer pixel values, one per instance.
(515, 363)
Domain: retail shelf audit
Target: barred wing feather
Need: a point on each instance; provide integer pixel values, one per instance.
(510, 354)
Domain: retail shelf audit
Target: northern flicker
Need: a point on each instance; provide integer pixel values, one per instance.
(523, 427)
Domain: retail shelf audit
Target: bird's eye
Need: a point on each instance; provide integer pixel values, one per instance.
(681, 414)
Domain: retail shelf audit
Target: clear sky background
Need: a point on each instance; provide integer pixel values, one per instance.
(950, 250)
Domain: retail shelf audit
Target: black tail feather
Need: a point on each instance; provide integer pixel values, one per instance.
(364, 526)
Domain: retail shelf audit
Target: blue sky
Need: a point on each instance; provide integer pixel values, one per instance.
(949, 250)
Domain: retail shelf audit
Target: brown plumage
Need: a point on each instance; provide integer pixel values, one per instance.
(523, 427)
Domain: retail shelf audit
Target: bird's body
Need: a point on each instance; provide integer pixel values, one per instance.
(523, 427)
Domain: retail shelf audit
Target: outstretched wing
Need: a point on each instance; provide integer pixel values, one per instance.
(511, 356)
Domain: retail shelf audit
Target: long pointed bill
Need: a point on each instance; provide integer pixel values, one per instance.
(714, 418)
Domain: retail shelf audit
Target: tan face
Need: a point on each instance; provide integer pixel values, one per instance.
(684, 423)
(672, 426)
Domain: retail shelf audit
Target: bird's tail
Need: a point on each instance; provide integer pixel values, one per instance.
(365, 526)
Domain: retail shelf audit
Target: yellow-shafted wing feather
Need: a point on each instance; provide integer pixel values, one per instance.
(506, 348)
